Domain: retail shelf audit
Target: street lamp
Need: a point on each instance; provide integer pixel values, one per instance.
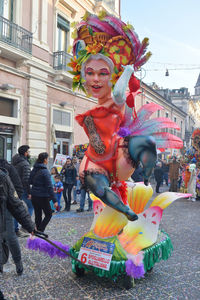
(167, 72)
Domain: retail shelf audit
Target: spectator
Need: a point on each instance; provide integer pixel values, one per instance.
(70, 176)
(137, 175)
(158, 174)
(174, 174)
(9, 234)
(54, 172)
(42, 191)
(9, 202)
(192, 181)
(76, 188)
(82, 201)
(58, 189)
(20, 162)
(165, 168)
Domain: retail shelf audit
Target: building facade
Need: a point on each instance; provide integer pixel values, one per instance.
(182, 100)
(171, 111)
(37, 104)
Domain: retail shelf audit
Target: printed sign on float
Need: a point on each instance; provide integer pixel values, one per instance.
(96, 253)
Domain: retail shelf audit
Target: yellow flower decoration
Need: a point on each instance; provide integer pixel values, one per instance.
(95, 48)
(73, 24)
(102, 14)
(115, 77)
(74, 34)
(86, 15)
(128, 27)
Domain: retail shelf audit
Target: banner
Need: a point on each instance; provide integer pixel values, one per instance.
(59, 161)
(96, 253)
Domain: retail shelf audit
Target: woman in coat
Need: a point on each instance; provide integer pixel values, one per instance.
(42, 191)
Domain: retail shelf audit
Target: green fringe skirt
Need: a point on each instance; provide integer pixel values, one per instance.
(162, 249)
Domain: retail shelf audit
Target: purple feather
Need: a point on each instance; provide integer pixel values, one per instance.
(45, 247)
(123, 132)
(133, 270)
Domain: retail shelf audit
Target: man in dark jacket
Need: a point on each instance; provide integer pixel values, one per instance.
(158, 174)
(165, 167)
(14, 176)
(70, 178)
(20, 162)
(137, 175)
(9, 235)
(9, 201)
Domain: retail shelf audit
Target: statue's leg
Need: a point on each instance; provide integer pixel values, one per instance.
(143, 149)
(98, 184)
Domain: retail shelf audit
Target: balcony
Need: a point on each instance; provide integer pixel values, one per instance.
(15, 41)
(60, 61)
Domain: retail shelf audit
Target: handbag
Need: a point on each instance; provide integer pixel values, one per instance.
(5, 252)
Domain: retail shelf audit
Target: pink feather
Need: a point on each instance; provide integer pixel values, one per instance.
(167, 140)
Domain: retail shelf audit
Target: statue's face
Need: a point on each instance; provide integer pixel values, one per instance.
(97, 75)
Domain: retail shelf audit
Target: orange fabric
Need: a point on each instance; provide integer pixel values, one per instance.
(187, 178)
(106, 123)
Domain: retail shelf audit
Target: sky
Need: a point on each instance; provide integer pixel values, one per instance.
(173, 29)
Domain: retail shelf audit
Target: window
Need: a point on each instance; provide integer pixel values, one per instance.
(63, 27)
(158, 113)
(6, 9)
(6, 107)
(175, 122)
(167, 115)
(61, 117)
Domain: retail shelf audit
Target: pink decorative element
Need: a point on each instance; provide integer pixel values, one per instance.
(97, 207)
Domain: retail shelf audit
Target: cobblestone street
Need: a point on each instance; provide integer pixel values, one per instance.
(46, 278)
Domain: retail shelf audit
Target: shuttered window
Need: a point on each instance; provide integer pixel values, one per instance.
(61, 117)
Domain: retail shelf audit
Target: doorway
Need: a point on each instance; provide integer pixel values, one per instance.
(2, 147)
(61, 146)
(6, 147)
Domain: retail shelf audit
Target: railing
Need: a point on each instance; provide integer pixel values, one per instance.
(15, 35)
(60, 60)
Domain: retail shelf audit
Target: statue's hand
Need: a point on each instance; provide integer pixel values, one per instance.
(119, 92)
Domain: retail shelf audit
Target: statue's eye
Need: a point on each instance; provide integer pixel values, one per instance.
(104, 73)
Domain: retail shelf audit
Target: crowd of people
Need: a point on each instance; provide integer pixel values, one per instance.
(41, 191)
(24, 190)
(177, 174)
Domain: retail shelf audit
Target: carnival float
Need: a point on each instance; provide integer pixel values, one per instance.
(124, 239)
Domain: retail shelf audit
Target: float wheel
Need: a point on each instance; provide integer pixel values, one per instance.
(79, 271)
(150, 270)
(127, 282)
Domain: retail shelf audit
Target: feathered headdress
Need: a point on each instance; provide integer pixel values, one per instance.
(110, 36)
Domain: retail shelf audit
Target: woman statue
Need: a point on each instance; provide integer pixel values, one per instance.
(106, 53)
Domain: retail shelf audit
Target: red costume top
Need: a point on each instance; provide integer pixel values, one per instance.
(101, 125)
